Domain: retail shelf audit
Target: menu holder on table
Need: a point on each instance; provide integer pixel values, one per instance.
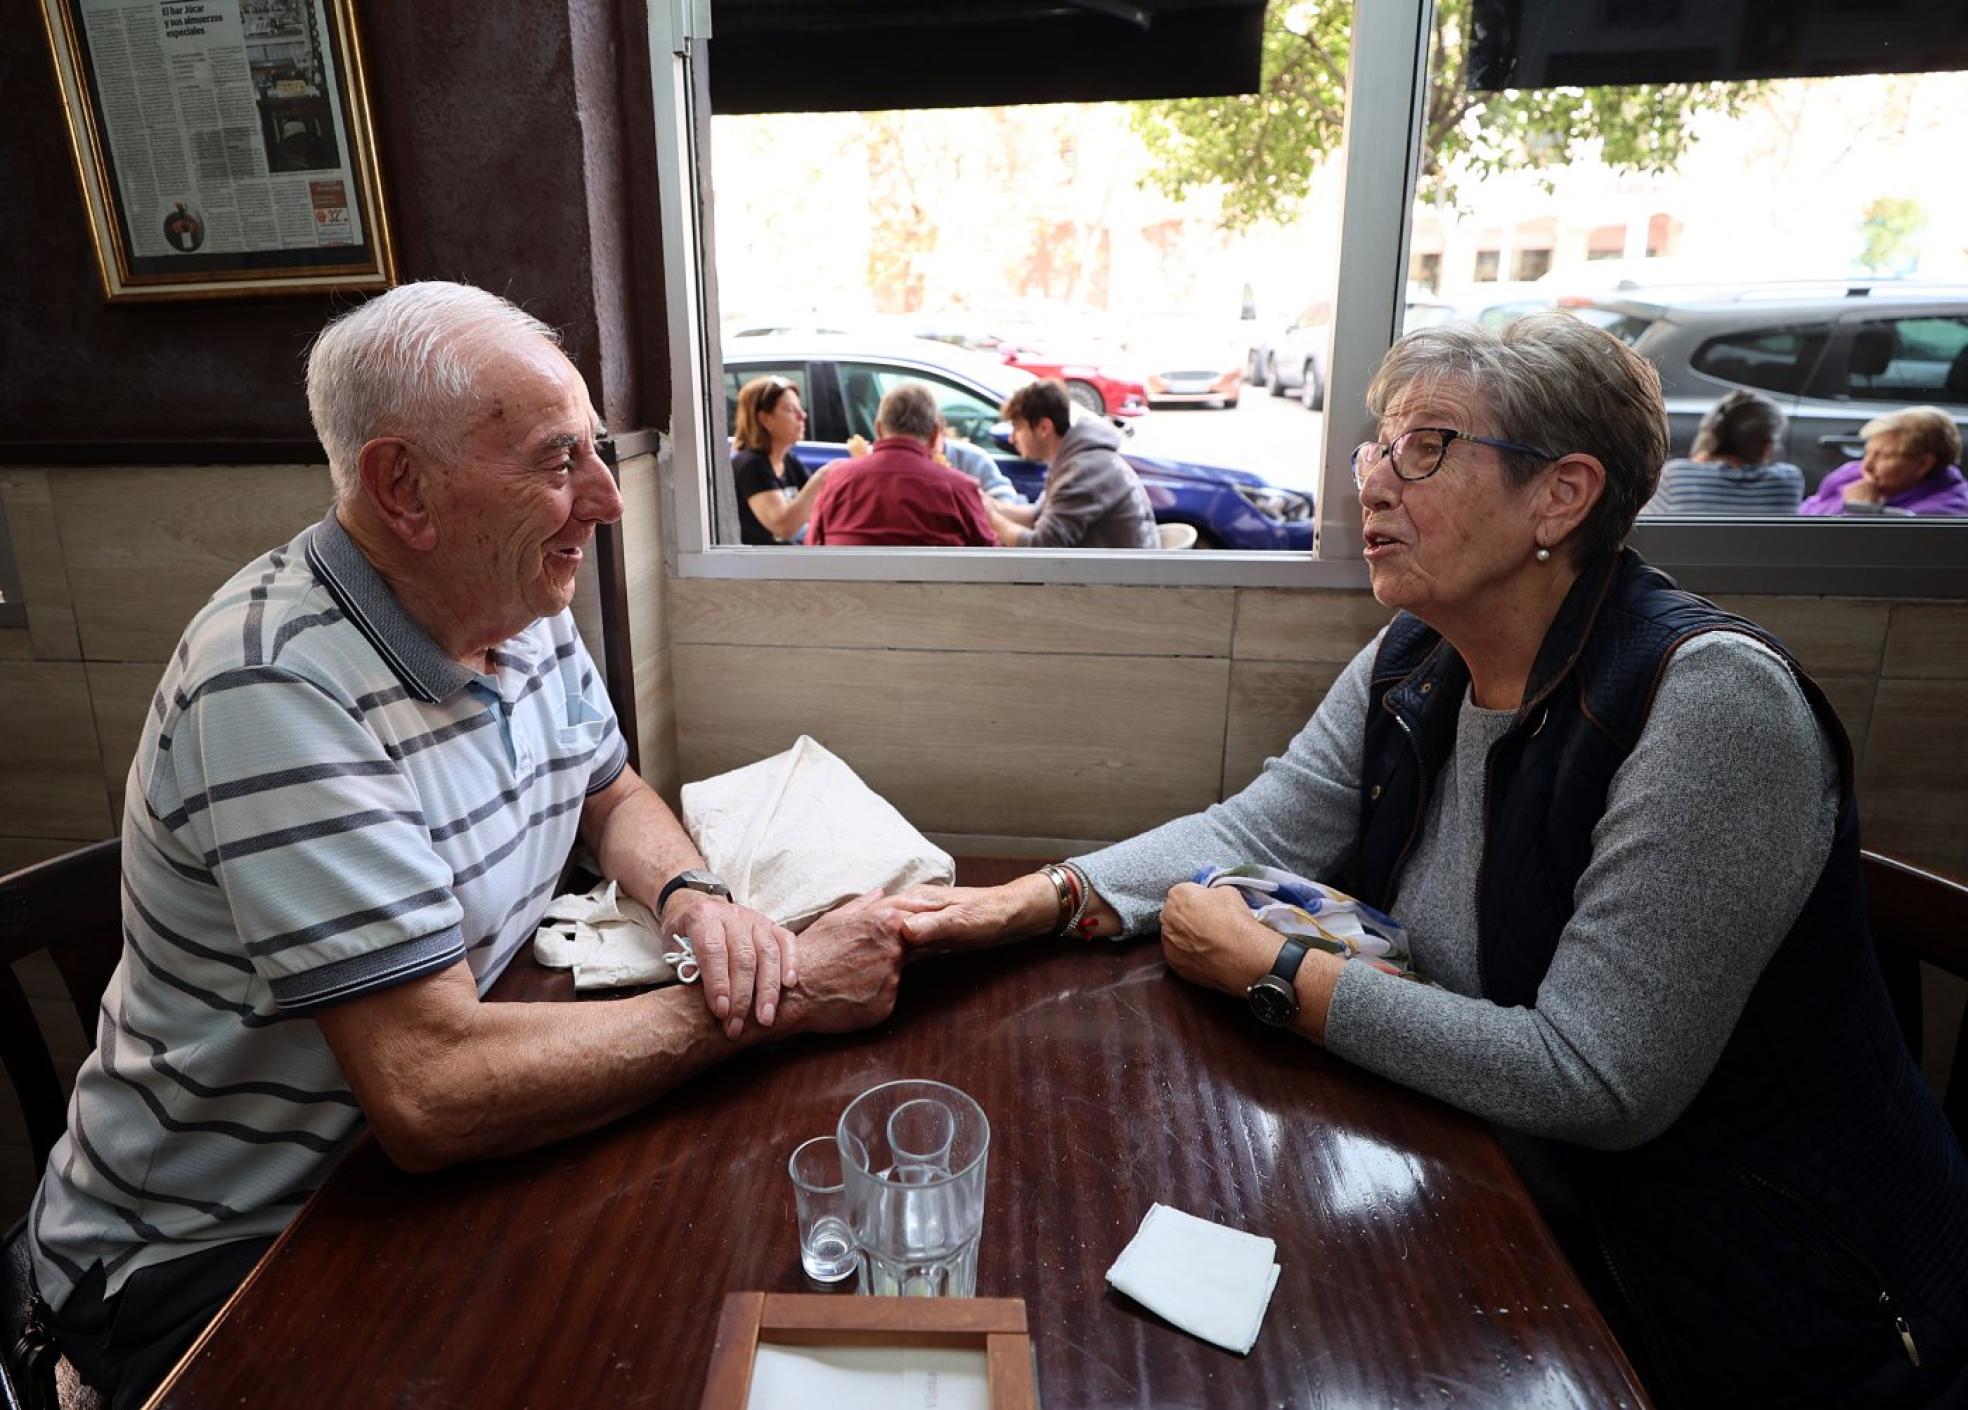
(786, 1351)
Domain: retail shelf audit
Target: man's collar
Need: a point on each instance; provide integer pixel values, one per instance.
(367, 601)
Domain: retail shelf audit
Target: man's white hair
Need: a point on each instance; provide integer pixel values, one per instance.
(408, 363)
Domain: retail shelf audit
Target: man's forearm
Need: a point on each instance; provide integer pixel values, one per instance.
(520, 1076)
(638, 842)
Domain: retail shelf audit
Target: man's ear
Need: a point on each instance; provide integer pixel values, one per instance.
(396, 482)
(1570, 491)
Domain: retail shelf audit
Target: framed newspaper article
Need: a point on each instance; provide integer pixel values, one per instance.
(223, 146)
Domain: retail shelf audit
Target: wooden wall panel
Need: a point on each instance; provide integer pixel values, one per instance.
(1024, 618)
(1270, 701)
(147, 547)
(120, 694)
(51, 780)
(975, 742)
(39, 559)
(1915, 777)
(1927, 641)
(1829, 636)
(1303, 624)
(649, 594)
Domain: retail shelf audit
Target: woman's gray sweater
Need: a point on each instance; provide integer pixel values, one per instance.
(1714, 833)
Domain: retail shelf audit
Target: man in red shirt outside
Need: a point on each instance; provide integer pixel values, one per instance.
(897, 494)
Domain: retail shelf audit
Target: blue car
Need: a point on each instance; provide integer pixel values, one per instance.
(843, 378)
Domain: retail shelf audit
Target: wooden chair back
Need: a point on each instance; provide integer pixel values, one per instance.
(1927, 916)
(72, 907)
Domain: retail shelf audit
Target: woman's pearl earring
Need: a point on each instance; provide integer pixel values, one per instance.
(1543, 554)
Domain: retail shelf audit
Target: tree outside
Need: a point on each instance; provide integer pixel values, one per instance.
(1890, 229)
(1261, 149)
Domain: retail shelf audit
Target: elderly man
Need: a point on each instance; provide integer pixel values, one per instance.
(356, 789)
(896, 494)
(1092, 499)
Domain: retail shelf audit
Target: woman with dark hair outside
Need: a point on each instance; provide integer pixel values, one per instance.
(1620, 828)
(1732, 469)
(776, 493)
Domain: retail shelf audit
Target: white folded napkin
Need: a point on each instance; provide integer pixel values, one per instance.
(607, 939)
(1212, 1281)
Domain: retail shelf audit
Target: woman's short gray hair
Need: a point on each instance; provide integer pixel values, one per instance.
(1552, 381)
(1923, 430)
(407, 361)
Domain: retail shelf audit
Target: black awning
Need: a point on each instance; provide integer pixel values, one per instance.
(1560, 43)
(793, 56)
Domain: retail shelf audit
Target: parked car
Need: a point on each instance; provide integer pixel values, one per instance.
(1833, 355)
(842, 380)
(1098, 388)
(1293, 363)
(1189, 360)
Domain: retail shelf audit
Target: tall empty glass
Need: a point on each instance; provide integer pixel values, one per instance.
(913, 1158)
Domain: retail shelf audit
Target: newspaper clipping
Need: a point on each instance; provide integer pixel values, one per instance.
(226, 134)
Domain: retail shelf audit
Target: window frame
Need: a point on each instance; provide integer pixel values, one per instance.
(1387, 88)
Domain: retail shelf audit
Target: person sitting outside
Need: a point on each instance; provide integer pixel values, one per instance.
(354, 796)
(896, 495)
(1092, 497)
(1620, 828)
(961, 455)
(776, 492)
(1912, 465)
(1731, 468)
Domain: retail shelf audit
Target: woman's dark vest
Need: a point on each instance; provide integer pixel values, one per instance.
(1800, 1233)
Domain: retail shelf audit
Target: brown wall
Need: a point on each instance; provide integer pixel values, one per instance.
(507, 133)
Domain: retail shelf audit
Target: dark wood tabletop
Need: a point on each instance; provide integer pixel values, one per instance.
(1416, 1270)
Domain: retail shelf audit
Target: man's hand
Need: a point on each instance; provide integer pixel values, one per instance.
(972, 917)
(1210, 937)
(852, 968)
(744, 959)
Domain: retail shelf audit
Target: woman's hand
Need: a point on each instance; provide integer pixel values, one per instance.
(973, 917)
(1209, 937)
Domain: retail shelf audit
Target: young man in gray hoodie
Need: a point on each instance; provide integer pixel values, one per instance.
(1092, 499)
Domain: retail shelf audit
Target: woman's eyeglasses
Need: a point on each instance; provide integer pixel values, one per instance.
(1417, 454)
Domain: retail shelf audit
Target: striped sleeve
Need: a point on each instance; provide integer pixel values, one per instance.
(315, 834)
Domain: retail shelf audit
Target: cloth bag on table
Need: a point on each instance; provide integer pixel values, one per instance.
(795, 835)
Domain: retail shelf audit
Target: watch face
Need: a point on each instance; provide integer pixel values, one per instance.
(1273, 1001)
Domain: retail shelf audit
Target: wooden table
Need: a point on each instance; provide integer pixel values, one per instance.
(1416, 1269)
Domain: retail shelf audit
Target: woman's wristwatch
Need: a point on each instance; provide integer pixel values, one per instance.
(1274, 997)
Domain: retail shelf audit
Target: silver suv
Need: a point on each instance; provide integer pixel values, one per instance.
(1832, 355)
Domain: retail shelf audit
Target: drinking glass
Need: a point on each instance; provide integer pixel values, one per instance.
(920, 1134)
(913, 1160)
(826, 1242)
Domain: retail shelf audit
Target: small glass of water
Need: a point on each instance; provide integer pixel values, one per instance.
(826, 1243)
(913, 1157)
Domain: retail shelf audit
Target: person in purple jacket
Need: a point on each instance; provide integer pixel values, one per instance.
(1911, 466)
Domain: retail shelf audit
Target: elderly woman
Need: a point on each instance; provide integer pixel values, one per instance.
(1732, 466)
(1911, 466)
(776, 493)
(1618, 824)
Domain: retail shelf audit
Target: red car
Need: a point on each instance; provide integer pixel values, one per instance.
(1098, 390)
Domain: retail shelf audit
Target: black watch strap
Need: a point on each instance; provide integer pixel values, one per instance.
(1290, 956)
(694, 879)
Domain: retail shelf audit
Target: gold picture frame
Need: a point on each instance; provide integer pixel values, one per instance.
(224, 147)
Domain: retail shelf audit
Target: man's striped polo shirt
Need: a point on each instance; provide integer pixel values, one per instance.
(323, 804)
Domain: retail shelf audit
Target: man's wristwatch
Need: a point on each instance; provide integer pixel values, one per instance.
(1274, 997)
(692, 880)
